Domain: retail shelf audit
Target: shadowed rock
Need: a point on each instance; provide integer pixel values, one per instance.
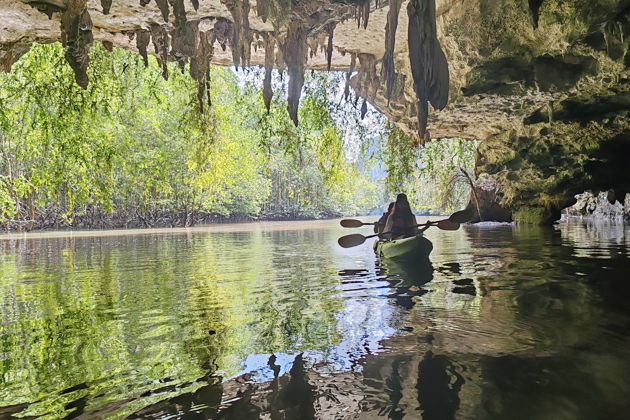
(428, 62)
(106, 5)
(143, 37)
(76, 36)
(270, 45)
(294, 54)
(388, 71)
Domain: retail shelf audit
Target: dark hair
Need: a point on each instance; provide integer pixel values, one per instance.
(402, 199)
(402, 206)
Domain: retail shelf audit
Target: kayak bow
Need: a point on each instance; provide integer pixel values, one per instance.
(414, 247)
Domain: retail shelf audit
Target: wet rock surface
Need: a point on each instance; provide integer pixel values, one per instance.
(603, 205)
(564, 149)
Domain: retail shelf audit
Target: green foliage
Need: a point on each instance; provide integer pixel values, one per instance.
(133, 145)
(134, 148)
(311, 175)
(428, 174)
(91, 327)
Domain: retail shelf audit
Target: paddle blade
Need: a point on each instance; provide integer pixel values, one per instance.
(352, 223)
(462, 216)
(447, 225)
(349, 241)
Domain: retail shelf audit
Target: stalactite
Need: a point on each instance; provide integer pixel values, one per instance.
(206, 51)
(163, 6)
(241, 37)
(353, 62)
(76, 36)
(428, 62)
(9, 55)
(208, 80)
(185, 41)
(281, 65)
(313, 46)
(144, 2)
(161, 44)
(195, 4)
(388, 70)
(368, 81)
(270, 46)
(179, 10)
(181, 64)
(106, 5)
(534, 7)
(363, 108)
(295, 53)
(143, 37)
(47, 9)
(223, 32)
(196, 62)
(329, 46)
(262, 9)
(363, 13)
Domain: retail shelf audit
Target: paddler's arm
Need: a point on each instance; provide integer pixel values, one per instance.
(422, 229)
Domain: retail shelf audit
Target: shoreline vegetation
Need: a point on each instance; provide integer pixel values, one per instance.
(106, 221)
(136, 151)
(102, 221)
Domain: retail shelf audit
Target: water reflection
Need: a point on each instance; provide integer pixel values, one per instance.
(503, 322)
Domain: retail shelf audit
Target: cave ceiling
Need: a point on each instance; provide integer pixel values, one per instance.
(475, 68)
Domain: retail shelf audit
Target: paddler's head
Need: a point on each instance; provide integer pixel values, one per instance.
(402, 202)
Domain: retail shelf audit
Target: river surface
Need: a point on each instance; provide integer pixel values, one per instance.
(276, 321)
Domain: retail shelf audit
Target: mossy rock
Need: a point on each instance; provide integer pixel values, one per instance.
(532, 216)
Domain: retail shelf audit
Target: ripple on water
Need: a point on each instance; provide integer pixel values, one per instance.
(283, 322)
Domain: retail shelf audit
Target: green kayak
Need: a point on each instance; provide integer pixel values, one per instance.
(415, 247)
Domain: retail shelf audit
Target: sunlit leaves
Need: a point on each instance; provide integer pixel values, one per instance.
(425, 173)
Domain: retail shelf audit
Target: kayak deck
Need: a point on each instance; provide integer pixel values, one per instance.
(413, 247)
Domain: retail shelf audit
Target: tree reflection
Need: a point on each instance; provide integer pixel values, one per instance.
(128, 318)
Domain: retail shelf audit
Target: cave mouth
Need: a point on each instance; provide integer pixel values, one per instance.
(542, 84)
(135, 149)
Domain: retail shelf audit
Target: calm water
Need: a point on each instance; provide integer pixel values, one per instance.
(276, 321)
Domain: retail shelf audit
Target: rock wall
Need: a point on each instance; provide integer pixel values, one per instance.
(562, 150)
(580, 138)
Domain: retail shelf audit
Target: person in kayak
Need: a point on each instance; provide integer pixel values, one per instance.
(380, 225)
(401, 222)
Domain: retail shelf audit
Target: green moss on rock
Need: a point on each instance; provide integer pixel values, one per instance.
(543, 165)
(531, 215)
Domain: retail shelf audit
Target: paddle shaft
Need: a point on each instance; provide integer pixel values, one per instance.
(421, 224)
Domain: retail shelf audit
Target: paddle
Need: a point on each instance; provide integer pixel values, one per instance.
(353, 223)
(445, 224)
(461, 216)
(355, 239)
